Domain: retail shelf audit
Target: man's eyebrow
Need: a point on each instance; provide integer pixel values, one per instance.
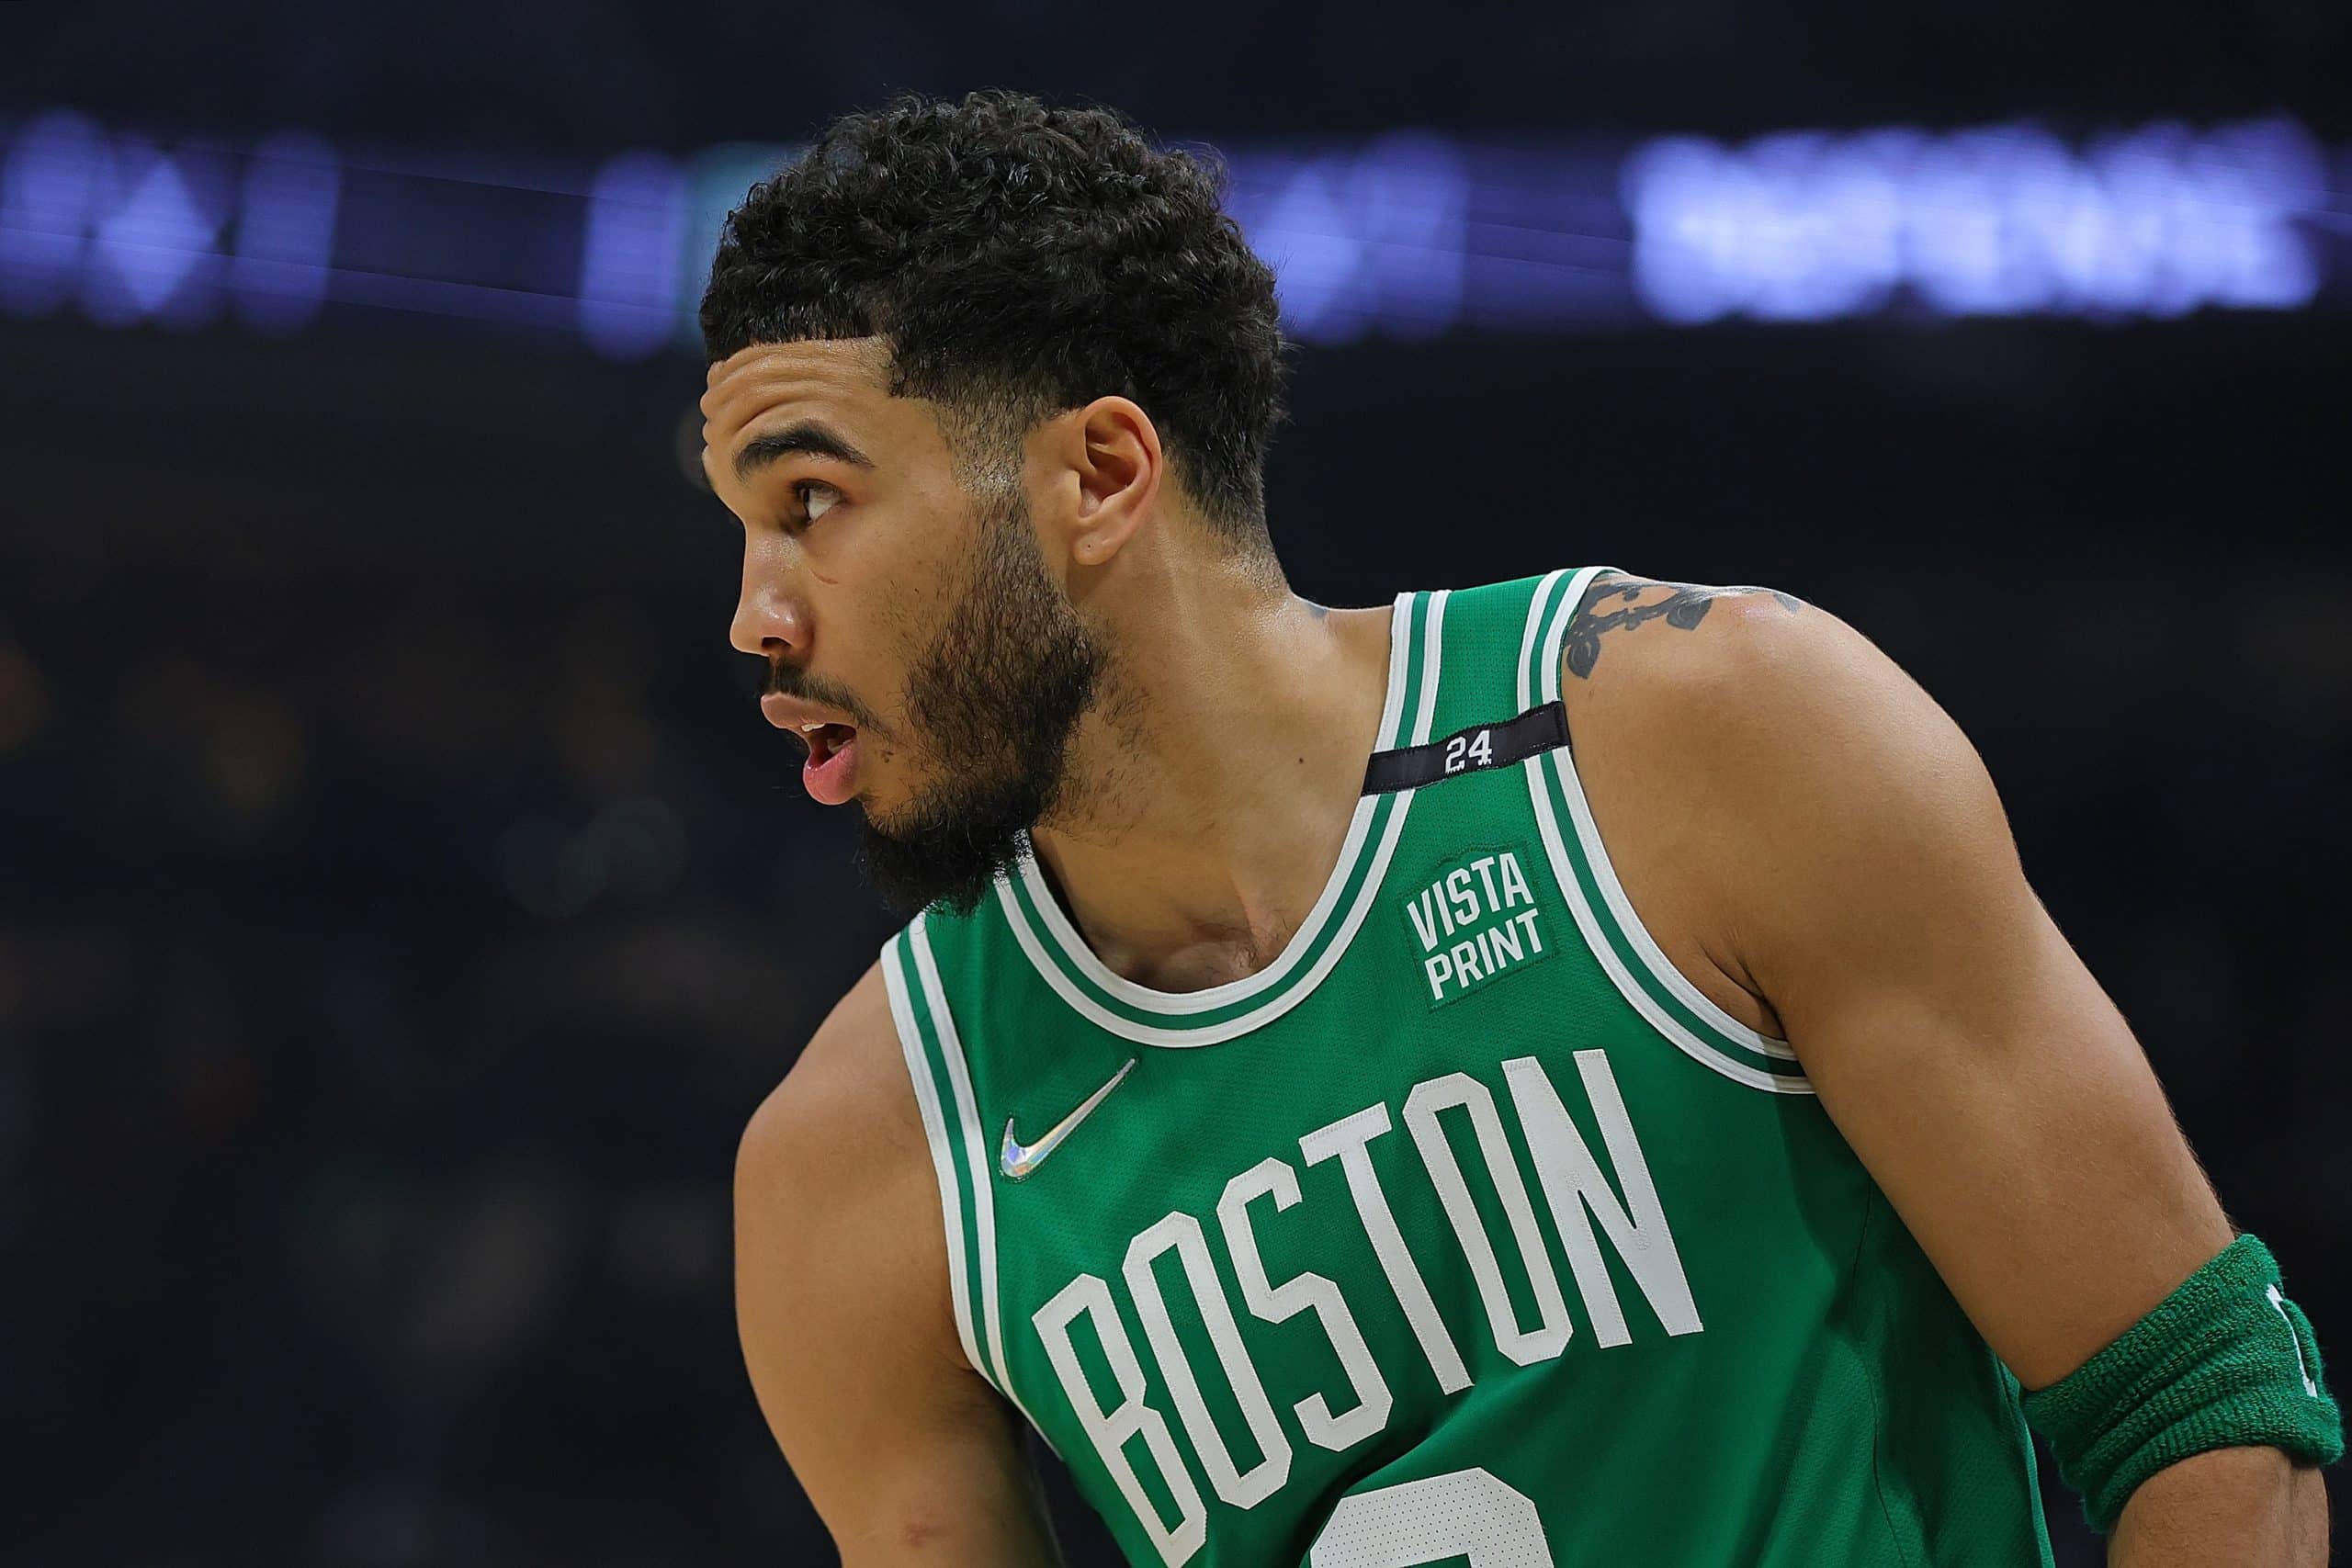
(807, 435)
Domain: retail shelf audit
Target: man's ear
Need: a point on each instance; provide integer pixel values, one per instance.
(1114, 456)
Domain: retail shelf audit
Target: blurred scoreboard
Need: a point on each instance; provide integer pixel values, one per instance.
(1403, 236)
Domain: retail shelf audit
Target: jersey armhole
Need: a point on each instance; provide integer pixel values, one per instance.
(1623, 946)
(943, 1088)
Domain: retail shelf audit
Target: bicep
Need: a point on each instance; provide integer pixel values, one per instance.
(1978, 1070)
(842, 1296)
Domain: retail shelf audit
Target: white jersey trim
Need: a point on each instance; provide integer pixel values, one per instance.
(1604, 872)
(943, 1154)
(1543, 641)
(951, 1051)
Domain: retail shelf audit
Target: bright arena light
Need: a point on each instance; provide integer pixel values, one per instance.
(1401, 236)
(1808, 226)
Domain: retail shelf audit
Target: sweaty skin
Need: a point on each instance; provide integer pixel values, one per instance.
(1808, 837)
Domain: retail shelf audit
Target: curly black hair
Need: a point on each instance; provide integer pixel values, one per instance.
(1021, 260)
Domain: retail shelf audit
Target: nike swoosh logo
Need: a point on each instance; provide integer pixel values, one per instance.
(1017, 1160)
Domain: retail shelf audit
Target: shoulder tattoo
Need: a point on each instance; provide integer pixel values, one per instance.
(1617, 603)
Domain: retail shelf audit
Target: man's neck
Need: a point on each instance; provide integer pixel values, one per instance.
(1212, 793)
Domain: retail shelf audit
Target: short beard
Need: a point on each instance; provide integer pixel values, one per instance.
(994, 703)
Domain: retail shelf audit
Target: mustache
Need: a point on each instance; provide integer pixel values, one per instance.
(786, 681)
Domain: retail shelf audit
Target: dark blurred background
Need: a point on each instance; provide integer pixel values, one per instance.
(402, 906)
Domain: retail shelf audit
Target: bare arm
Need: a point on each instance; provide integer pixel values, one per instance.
(1835, 850)
(842, 1302)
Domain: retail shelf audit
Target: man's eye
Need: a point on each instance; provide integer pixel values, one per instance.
(815, 499)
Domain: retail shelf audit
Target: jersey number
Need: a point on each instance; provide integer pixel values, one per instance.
(1464, 750)
(1465, 1513)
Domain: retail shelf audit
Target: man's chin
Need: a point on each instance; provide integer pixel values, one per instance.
(943, 861)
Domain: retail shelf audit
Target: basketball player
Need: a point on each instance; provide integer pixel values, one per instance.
(1567, 1072)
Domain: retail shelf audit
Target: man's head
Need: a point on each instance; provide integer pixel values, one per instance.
(954, 350)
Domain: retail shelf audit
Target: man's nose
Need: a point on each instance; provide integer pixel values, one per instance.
(771, 620)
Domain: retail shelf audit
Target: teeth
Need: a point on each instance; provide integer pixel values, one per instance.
(807, 728)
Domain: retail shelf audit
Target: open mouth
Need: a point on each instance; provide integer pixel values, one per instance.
(831, 773)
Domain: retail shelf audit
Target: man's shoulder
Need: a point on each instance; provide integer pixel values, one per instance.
(842, 1114)
(1708, 683)
(1675, 639)
(1656, 637)
(843, 1294)
(1724, 734)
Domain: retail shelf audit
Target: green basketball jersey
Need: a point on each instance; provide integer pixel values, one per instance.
(1468, 1231)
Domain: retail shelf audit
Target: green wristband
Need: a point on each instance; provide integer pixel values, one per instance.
(2226, 1360)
